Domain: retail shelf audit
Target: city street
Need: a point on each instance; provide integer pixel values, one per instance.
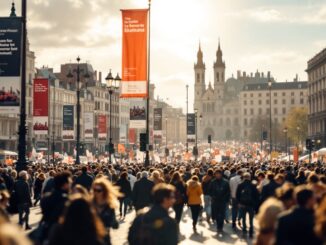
(206, 234)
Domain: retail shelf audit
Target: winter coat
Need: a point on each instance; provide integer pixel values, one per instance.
(194, 192)
(142, 193)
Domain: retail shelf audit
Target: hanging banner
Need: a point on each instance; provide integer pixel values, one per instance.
(134, 53)
(41, 106)
(157, 125)
(132, 136)
(102, 135)
(68, 132)
(88, 126)
(123, 133)
(10, 65)
(138, 114)
(191, 127)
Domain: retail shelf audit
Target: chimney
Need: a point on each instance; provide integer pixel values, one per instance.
(238, 74)
(244, 74)
(100, 77)
(262, 74)
(95, 75)
(251, 74)
(268, 74)
(296, 79)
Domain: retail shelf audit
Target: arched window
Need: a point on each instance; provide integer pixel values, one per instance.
(217, 76)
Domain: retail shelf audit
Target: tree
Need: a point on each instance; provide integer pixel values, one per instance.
(297, 124)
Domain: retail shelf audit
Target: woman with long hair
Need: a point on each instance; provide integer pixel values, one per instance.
(125, 189)
(194, 192)
(79, 225)
(180, 195)
(105, 199)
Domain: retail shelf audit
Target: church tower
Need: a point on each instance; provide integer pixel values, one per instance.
(219, 74)
(200, 87)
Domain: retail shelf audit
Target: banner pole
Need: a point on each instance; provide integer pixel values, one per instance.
(148, 82)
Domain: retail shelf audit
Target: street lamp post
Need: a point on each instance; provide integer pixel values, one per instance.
(285, 131)
(78, 71)
(112, 85)
(187, 87)
(270, 119)
(298, 136)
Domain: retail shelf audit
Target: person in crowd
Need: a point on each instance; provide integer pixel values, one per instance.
(268, 190)
(194, 192)
(301, 177)
(156, 177)
(247, 197)
(320, 225)
(4, 200)
(132, 179)
(78, 189)
(267, 218)
(220, 192)
(156, 227)
(48, 184)
(207, 179)
(38, 187)
(11, 235)
(180, 195)
(317, 187)
(125, 188)
(2, 184)
(296, 226)
(8, 179)
(84, 179)
(285, 195)
(141, 194)
(52, 204)
(23, 199)
(105, 199)
(79, 225)
(234, 183)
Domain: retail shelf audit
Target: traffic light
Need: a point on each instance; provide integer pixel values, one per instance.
(142, 139)
(209, 139)
(310, 144)
(264, 135)
(109, 148)
(195, 151)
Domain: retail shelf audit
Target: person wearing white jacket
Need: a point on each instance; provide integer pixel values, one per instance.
(234, 183)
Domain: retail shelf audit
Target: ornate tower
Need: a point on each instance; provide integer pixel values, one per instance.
(219, 74)
(199, 68)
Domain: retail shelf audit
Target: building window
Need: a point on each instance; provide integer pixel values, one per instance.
(275, 111)
(301, 101)
(251, 111)
(283, 94)
(245, 95)
(217, 76)
(245, 122)
(251, 95)
(245, 111)
(301, 93)
(284, 110)
(275, 94)
(259, 102)
(245, 102)
(275, 102)
(251, 102)
(292, 93)
(292, 101)
(259, 95)
(283, 102)
(267, 102)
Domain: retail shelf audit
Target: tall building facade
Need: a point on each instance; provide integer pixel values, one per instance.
(317, 97)
(229, 108)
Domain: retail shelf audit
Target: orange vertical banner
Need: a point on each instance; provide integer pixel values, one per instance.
(295, 155)
(134, 53)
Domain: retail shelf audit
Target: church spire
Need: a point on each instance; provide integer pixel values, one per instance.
(200, 61)
(13, 10)
(219, 56)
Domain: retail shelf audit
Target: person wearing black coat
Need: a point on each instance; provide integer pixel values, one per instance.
(219, 190)
(269, 189)
(180, 195)
(38, 187)
(84, 179)
(23, 199)
(125, 189)
(141, 195)
(9, 181)
(248, 198)
(296, 226)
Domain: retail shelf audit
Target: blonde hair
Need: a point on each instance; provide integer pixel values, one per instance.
(268, 213)
(111, 192)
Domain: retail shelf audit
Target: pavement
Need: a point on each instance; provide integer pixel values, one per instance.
(206, 234)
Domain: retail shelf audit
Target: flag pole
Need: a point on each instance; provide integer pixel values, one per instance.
(148, 82)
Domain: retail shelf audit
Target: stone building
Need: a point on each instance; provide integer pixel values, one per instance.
(317, 97)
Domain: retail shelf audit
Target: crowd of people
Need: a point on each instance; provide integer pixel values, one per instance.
(80, 204)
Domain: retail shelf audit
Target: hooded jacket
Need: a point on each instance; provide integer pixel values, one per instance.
(194, 192)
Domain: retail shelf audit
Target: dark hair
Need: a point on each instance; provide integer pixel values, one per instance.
(285, 192)
(61, 179)
(302, 195)
(84, 169)
(124, 175)
(80, 222)
(162, 191)
(176, 177)
(210, 172)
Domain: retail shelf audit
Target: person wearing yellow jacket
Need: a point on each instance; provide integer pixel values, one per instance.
(194, 192)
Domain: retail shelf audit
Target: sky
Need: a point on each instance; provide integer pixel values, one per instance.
(266, 35)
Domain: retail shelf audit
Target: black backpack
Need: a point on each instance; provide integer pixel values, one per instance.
(246, 195)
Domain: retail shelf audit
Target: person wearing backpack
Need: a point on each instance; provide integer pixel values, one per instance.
(248, 197)
(156, 227)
